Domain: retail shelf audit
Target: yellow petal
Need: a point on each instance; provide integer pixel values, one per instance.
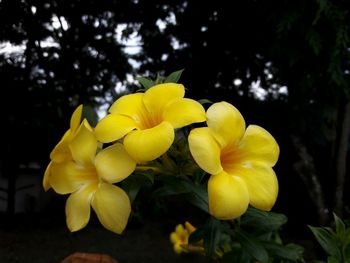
(149, 144)
(258, 145)
(130, 105)
(47, 174)
(114, 164)
(178, 249)
(189, 227)
(205, 150)
(112, 206)
(183, 112)
(174, 238)
(76, 118)
(67, 177)
(78, 207)
(228, 196)
(158, 97)
(226, 122)
(61, 152)
(262, 185)
(113, 127)
(84, 145)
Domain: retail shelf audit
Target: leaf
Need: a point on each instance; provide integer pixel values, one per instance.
(291, 252)
(196, 236)
(339, 226)
(133, 184)
(333, 260)
(212, 233)
(252, 246)
(266, 221)
(205, 101)
(145, 82)
(174, 77)
(327, 240)
(236, 256)
(172, 186)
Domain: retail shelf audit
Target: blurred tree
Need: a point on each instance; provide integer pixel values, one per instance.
(285, 64)
(256, 50)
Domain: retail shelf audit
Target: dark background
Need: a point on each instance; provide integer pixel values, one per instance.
(283, 64)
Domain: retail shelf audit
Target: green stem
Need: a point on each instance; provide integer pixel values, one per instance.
(146, 168)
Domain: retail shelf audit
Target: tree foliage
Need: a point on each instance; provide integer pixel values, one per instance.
(284, 64)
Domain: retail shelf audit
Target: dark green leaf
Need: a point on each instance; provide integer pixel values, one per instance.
(212, 233)
(267, 221)
(332, 259)
(133, 184)
(145, 82)
(291, 252)
(236, 256)
(196, 236)
(198, 196)
(327, 240)
(174, 77)
(252, 246)
(339, 226)
(205, 101)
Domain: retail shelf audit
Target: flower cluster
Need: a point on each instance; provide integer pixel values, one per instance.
(88, 162)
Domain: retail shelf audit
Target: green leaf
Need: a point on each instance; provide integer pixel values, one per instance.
(346, 246)
(198, 196)
(266, 221)
(174, 77)
(333, 260)
(236, 256)
(196, 236)
(145, 82)
(291, 252)
(205, 101)
(339, 226)
(133, 184)
(212, 233)
(327, 240)
(252, 246)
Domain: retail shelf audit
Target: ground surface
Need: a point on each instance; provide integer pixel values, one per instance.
(31, 239)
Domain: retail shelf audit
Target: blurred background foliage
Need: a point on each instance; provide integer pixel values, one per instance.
(283, 64)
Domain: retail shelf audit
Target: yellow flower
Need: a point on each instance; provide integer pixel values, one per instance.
(61, 152)
(88, 178)
(148, 120)
(179, 239)
(239, 160)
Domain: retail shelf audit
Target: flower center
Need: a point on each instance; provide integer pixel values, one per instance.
(150, 120)
(230, 158)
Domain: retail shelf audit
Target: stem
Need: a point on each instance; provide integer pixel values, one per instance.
(341, 160)
(147, 168)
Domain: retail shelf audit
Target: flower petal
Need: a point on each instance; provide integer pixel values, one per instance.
(113, 127)
(67, 177)
(226, 122)
(114, 164)
(112, 206)
(61, 152)
(149, 144)
(84, 145)
(130, 105)
(258, 145)
(205, 150)
(183, 112)
(76, 118)
(262, 185)
(159, 96)
(228, 196)
(78, 207)
(47, 174)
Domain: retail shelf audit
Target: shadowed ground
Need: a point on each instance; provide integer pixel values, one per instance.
(32, 239)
